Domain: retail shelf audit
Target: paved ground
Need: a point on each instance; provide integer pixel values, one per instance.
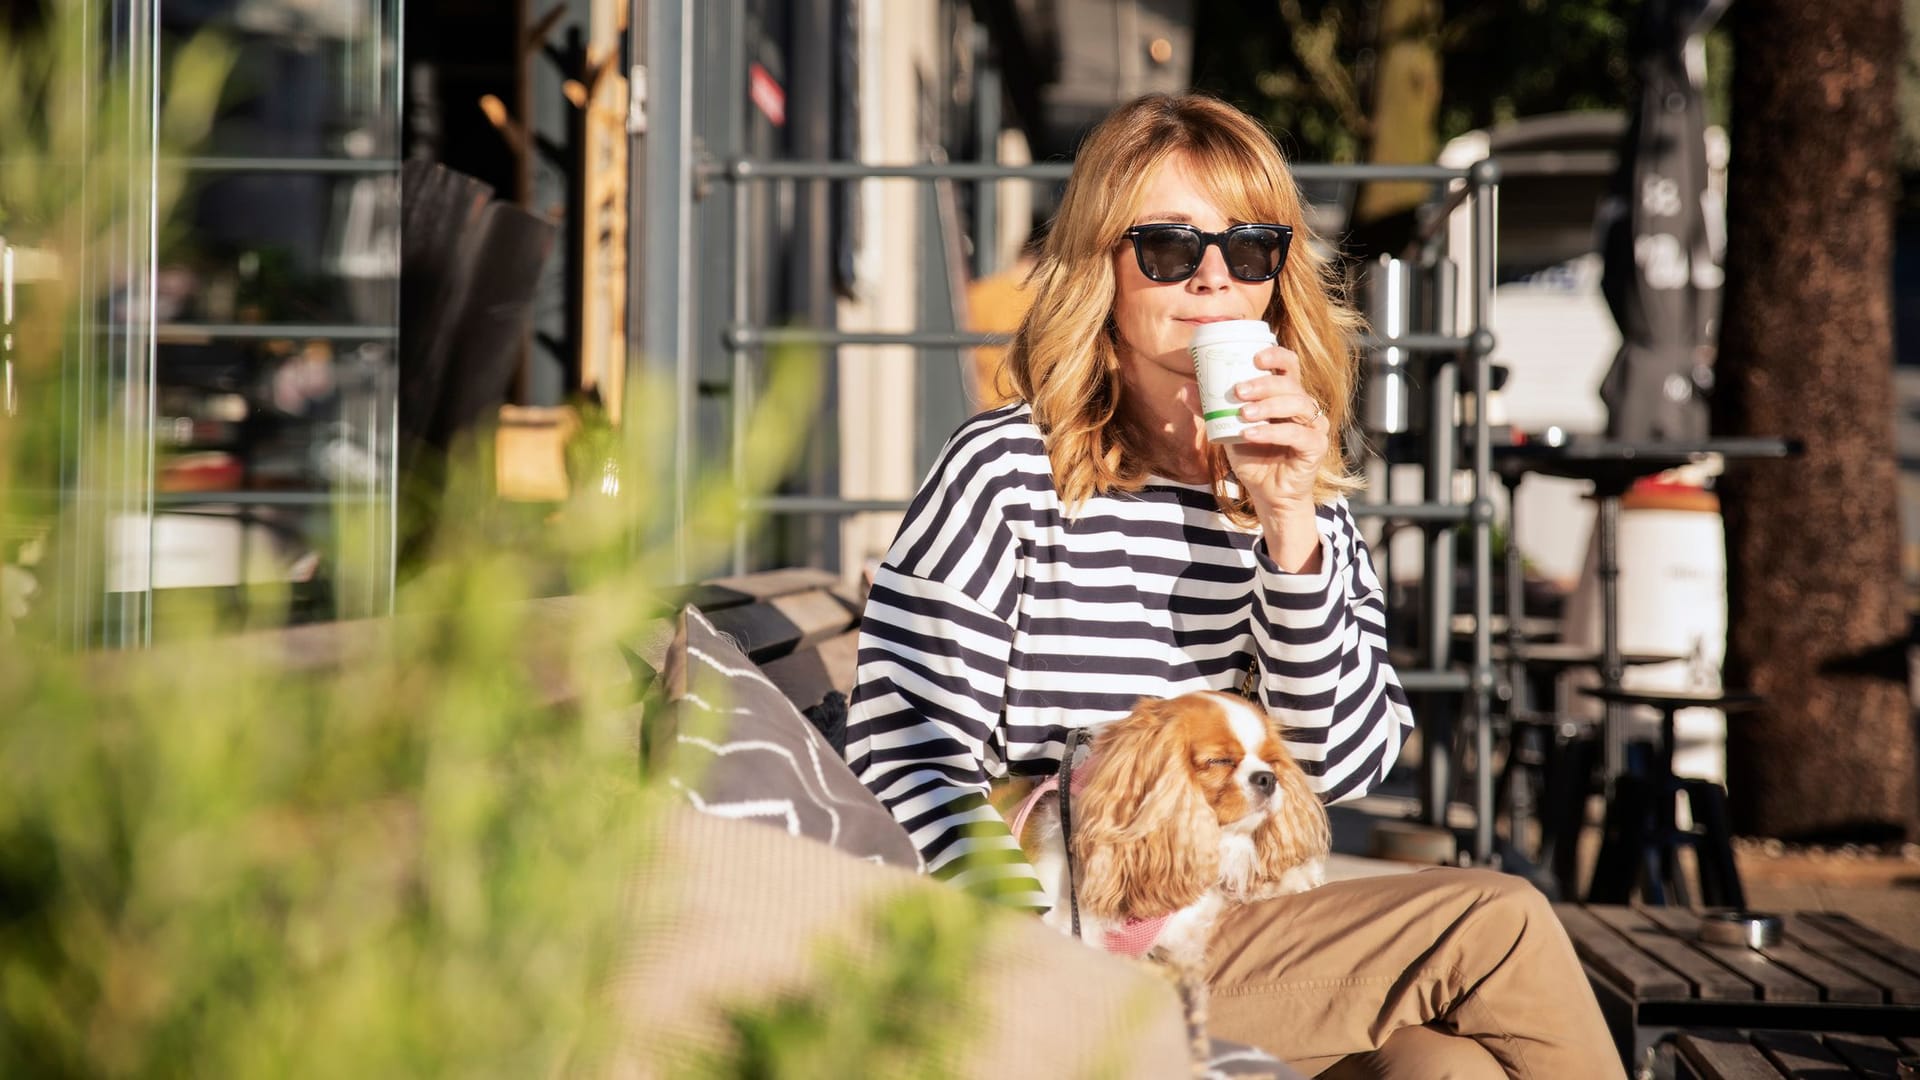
(1881, 890)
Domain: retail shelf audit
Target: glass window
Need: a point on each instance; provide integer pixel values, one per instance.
(229, 401)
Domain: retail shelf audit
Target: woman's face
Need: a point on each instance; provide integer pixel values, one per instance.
(1156, 320)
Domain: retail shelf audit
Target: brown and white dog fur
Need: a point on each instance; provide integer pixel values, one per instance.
(1190, 805)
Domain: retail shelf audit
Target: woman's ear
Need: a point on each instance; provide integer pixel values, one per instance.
(1147, 841)
(1296, 832)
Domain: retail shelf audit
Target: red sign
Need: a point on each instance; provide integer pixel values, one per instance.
(766, 94)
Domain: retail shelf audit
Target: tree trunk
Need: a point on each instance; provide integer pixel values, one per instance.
(1817, 621)
(1406, 105)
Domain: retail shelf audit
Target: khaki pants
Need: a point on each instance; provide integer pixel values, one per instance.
(1337, 971)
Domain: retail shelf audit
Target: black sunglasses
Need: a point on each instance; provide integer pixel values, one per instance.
(1168, 252)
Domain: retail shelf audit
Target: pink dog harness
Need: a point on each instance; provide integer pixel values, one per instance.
(1046, 787)
(1134, 937)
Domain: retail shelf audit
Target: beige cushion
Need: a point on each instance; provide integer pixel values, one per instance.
(728, 913)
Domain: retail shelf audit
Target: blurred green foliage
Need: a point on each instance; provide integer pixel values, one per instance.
(926, 951)
(398, 847)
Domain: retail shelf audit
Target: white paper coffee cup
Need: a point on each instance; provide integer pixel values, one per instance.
(1223, 355)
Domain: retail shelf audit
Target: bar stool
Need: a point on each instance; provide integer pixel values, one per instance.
(1642, 835)
(1552, 757)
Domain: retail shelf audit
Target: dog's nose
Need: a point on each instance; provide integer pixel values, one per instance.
(1263, 782)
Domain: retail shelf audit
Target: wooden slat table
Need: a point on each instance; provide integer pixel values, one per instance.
(1720, 1054)
(1653, 977)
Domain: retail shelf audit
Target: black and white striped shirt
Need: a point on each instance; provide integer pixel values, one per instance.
(996, 623)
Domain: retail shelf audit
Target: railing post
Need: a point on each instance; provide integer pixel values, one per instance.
(740, 306)
(1485, 179)
(663, 242)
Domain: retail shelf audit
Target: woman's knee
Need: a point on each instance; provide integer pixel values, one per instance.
(1493, 899)
(1505, 891)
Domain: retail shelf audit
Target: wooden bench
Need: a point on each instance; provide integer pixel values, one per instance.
(1653, 977)
(1770, 1055)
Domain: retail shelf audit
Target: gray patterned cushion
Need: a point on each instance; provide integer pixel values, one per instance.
(737, 748)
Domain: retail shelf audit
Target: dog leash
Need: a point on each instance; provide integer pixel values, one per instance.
(1076, 737)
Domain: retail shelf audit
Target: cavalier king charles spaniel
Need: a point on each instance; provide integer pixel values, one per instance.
(1183, 807)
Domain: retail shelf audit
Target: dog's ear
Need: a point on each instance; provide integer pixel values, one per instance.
(1295, 832)
(1145, 835)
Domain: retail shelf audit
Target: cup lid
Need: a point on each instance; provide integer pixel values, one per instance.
(1233, 330)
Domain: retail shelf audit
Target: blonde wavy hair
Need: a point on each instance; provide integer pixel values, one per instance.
(1065, 358)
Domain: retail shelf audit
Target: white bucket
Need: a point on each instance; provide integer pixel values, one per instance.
(1673, 600)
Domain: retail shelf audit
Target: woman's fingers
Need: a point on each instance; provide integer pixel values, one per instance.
(1309, 439)
(1279, 396)
(1265, 386)
(1277, 358)
(1294, 406)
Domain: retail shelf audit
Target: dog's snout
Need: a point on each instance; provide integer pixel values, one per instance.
(1263, 782)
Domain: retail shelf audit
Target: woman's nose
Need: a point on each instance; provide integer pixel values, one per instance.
(1212, 272)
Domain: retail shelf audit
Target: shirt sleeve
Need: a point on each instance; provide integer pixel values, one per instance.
(925, 709)
(1324, 671)
(924, 727)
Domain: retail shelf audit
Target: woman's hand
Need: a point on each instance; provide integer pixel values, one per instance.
(1278, 463)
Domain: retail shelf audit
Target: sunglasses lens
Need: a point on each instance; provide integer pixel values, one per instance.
(1168, 254)
(1255, 254)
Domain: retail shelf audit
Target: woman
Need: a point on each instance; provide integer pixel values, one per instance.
(1086, 546)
